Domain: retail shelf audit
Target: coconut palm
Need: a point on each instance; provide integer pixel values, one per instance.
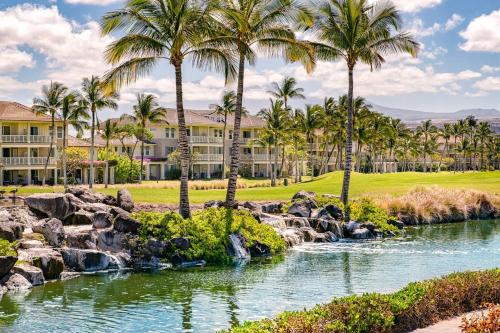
(263, 24)
(311, 121)
(296, 122)
(276, 118)
(171, 30)
(483, 132)
(49, 104)
(425, 131)
(146, 111)
(358, 31)
(73, 112)
(96, 99)
(446, 133)
(109, 132)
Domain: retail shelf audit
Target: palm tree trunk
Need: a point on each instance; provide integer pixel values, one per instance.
(235, 148)
(106, 171)
(296, 158)
(282, 164)
(311, 157)
(50, 152)
(65, 177)
(224, 147)
(184, 209)
(142, 159)
(92, 147)
(275, 167)
(348, 150)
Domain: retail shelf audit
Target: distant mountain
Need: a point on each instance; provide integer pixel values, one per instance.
(413, 115)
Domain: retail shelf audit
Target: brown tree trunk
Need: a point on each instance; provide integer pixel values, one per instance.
(235, 148)
(142, 158)
(65, 177)
(92, 148)
(184, 209)
(224, 147)
(50, 152)
(348, 150)
(106, 171)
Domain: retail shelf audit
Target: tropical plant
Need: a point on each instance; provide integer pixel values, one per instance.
(358, 31)
(96, 98)
(483, 132)
(426, 131)
(156, 30)
(311, 121)
(49, 104)
(108, 133)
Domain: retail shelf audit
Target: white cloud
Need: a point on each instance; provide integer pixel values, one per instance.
(488, 84)
(412, 6)
(9, 86)
(71, 50)
(434, 53)
(453, 22)
(483, 33)
(418, 29)
(14, 59)
(92, 2)
(489, 69)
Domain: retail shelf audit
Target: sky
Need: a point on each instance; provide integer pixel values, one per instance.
(458, 66)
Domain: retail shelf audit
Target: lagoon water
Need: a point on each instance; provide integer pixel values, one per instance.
(208, 299)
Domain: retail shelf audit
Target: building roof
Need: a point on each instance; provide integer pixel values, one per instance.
(73, 141)
(13, 111)
(249, 121)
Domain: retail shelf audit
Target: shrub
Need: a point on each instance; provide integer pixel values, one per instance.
(488, 322)
(208, 231)
(7, 248)
(365, 210)
(419, 304)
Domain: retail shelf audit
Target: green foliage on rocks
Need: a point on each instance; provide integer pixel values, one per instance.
(7, 248)
(208, 231)
(419, 304)
(365, 210)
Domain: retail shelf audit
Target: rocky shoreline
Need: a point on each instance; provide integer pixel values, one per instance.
(62, 235)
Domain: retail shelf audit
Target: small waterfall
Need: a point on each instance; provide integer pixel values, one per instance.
(116, 262)
(238, 250)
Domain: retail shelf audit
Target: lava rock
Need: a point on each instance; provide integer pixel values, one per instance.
(272, 207)
(296, 222)
(33, 274)
(157, 248)
(82, 240)
(6, 264)
(362, 233)
(30, 244)
(55, 205)
(125, 223)
(259, 250)
(181, 243)
(49, 261)
(252, 206)
(102, 220)
(124, 200)
(111, 240)
(332, 211)
(52, 229)
(398, 224)
(7, 233)
(15, 282)
(213, 204)
(302, 208)
(350, 227)
(80, 217)
(369, 225)
(87, 260)
(303, 195)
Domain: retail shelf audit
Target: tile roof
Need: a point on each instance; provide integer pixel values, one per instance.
(73, 141)
(13, 111)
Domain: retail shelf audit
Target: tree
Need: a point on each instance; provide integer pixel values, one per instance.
(311, 121)
(73, 112)
(358, 31)
(446, 133)
(108, 133)
(172, 30)
(96, 98)
(226, 108)
(276, 118)
(263, 24)
(426, 130)
(75, 157)
(49, 104)
(145, 111)
(483, 132)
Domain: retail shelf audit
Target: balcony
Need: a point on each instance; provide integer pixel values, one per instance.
(25, 138)
(205, 139)
(8, 161)
(209, 158)
(261, 157)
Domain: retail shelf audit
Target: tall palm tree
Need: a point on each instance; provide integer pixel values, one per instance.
(171, 30)
(49, 104)
(73, 112)
(483, 132)
(426, 130)
(109, 132)
(96, 99)
(276, 118)
(296, 121)
(145, 111)
(263, 24)
(358, 31)
(311, 121)
(446, 133)
(226, 108)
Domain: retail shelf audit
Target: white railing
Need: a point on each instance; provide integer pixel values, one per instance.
(205, 139)
(15, 138)
(261, 157)
(40, 138)
(209, 157)
(26, 160)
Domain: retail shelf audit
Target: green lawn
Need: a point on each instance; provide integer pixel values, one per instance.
(361, 184)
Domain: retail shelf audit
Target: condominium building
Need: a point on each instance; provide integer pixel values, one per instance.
(24, 145)
(205, 135)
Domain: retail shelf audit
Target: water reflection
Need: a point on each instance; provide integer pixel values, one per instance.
(211, 298)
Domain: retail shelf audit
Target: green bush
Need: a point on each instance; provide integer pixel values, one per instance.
(418, 305)
(325, 201)
(208, 231)
(7, 248)
(365, 210)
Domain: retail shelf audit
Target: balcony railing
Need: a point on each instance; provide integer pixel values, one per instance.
(25, 138)
(209, 158)
(260, 157)
(26, 160)
(205, 139)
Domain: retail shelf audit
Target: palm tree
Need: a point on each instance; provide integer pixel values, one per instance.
(96, 99)
(296, 122)
(172, 30)
(263, 24)
(446, 133)
(276, 118)
(145, 111)
(73, 112)
(109, 132)
(226, 108)
(311, 121)
(483, 132)
(426, 130)
(50, 104)
(358, 31)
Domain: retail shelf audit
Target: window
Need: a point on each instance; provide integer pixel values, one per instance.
(6, 130)
(33, 130)
(169, 150)
(218, 133)
(247, 151)
(116, 149)
(59, 132)
(247, 134)
(218, 150)
(147, 151)
(230, 134)
(170, 132)
(188, 130)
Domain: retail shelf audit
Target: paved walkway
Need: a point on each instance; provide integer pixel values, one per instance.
(446, 326)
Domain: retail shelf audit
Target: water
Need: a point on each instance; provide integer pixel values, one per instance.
(207, 299)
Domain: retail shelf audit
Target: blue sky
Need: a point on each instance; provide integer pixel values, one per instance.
(459, 66)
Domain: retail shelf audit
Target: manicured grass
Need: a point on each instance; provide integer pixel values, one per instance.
(374, 185)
